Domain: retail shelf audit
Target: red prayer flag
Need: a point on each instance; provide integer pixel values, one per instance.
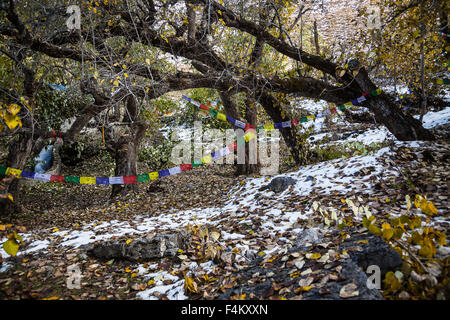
(204, 107)
(55, 178)
(186, 167)
(333, 110)
(130, 179)
(365, 94)
(295, 122)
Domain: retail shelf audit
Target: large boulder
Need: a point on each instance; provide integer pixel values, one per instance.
(140, 250)
(278, 184)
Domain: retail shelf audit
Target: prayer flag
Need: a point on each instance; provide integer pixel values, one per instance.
(143, 178)
(56, 178)
(13, 172)
(130, 179)
(103, 181)
(186, 167)
(72, 179)
(87, 180)
(27, 174)
(153, 175)
(164, 173)
(174, 171)
(221, 117)
(116, 180)
(42, 177)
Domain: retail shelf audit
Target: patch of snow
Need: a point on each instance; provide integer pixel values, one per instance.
(5, 266)
(434, 119)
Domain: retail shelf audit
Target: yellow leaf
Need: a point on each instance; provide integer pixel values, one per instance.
(418, 200)
(11, 247)
(129, 241)
(190, 285)
(2, 227)
(428, 208)
(313, 256)
(51, 298)
(12, 121)
(386, 226)
(13, 109)
(374, 229)
(116, 83)
(126, 75)
(387, 234)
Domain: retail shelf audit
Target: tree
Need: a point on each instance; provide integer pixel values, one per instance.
(128, 53)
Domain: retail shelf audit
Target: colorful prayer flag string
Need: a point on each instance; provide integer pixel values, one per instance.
(288, 123)
(130, 179)
(249, 135)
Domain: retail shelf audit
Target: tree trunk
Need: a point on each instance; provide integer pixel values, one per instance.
(231, 110)
(124, 149)
(289, 134)
(126, 165)
(251, 117)
(19, 151)
(403, 126)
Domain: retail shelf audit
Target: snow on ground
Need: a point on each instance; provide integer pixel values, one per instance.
(434, 119)
(339, 176)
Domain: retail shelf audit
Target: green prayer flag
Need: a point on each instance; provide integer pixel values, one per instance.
(3, 170)
(143, 178)
(304, 119)
(72, 179)
(341, 107)
(197, 163)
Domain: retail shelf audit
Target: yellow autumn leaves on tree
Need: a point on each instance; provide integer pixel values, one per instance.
(8, 113)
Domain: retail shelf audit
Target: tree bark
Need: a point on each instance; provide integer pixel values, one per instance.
(124, 149)
(289, 134)
(403, 126)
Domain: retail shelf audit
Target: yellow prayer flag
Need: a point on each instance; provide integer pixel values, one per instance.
(153, 175)
(13, 172)
(207, 159)
(87, 180)
(311, 117)
(249, 136)
(222, 117)
(269, 127)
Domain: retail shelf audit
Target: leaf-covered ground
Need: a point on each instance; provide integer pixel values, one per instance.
(242, 241)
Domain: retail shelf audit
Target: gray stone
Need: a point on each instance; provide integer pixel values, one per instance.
(350, 273)
(375, 252)
(140, 250)
(311, 236)
(278, 184)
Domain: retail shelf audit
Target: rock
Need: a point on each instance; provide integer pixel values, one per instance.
(140, 250)
(308, 236)
(353, 288)
(278, 184)
(375, 252)
(309, 178)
